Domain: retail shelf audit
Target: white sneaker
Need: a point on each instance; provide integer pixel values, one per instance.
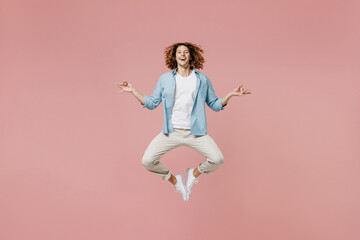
(180, 187)
(190, 180)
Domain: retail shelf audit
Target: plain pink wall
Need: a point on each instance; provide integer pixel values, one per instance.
(71, 146)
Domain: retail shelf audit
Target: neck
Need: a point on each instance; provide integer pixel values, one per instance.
(184, 71)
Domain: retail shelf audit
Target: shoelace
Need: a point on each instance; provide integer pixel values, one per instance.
(194, 182)
(177, 189)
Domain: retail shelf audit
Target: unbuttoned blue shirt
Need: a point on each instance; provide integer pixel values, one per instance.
(165, 92)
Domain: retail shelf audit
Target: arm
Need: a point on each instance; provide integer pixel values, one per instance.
(149, 102)
(127, 87)
(236, 92)
(212, 100)
(139, 96)
(154, 100)
(219, 104)
(226, 99)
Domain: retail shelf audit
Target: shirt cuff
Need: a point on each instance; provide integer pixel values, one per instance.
(221, 106)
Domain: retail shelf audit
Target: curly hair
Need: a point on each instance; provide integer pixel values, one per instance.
(197, 59)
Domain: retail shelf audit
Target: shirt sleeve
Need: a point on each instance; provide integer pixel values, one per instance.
(211, 99)
(151, 102)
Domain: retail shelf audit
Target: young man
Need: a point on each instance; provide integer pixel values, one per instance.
(183, 92)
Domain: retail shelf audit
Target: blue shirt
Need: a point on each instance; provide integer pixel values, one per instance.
(165, 91)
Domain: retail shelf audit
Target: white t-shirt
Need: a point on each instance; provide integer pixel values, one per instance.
(184, 100)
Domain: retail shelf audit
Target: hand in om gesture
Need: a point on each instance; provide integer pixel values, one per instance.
(125, 87)
(239, 91)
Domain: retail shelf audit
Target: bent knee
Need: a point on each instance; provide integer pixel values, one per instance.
(148, 161)
(219, 160)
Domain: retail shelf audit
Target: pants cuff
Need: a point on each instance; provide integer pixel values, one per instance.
(167, 177)
(201, 171)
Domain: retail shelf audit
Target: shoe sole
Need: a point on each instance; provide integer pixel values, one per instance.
(187, 195)
(187, 177)
(186, 184)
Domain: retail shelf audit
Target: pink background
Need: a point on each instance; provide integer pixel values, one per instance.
(71, 146)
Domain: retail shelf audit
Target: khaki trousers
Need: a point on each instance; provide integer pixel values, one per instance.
(162, 144)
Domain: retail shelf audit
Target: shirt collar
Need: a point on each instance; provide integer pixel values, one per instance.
(174, 71)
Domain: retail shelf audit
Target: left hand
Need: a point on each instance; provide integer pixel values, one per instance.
(239, 91)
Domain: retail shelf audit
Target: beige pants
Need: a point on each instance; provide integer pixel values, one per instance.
(162, 144)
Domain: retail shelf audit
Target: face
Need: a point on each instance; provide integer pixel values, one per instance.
(183, 56)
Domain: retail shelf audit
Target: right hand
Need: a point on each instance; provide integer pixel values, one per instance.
(125, 87)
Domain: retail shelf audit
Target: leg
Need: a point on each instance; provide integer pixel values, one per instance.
(160, 145)
(206, 146)
(173, 179)
(196, 172)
